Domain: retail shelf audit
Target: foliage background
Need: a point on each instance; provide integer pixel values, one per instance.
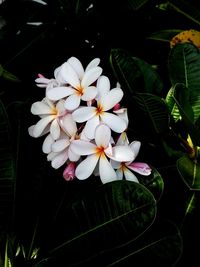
(84, 29)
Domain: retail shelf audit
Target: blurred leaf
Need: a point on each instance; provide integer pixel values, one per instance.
(7, 170)
(190, 172)
(186, 8)
(137, 4)
(7, 75)
(109, 217)
(184, 67)
(164, 35)
(134, 74)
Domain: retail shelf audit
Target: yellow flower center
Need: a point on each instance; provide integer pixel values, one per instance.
(54, 111)
(100, 151)
(99, 109)
(79, 91)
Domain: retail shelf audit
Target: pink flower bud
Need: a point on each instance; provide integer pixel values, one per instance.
(40, 75)
(116, 107)
(69, 172)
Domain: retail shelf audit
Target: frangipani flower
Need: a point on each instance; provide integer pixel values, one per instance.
(126, 168)
(93, 116)
(69, 171)
(98, 153)
(50, 114)
(79, 83)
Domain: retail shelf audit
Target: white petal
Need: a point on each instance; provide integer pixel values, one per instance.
(115, 164)
(122, 154)
(113, 97)
(51, 156)
(90, 127)
(119, 174)
(59, 159)
(55, 129)
(103, 85)
(60, 107)
(81, 147)
(91, 76)
(94, 63)
(30, 130)
(135, 146)
(89, 93)
(123, 139)
(60, 145)
(72, 102)
(102, 135)
(129, 176)
(77, 66)
(68, 124)
(46, 146)
(41, 125)
(72, 155)
(123, 114)
(70, 75)
(38, 108)
(58, 93)
(116, 124)
(83, 114)
(86, 167)
(106, 172)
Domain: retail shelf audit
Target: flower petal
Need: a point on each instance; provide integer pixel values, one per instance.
(77, 66)
(140, 167)
(89, 93)
(103, 85)
(90, 127)
(46, 146)
(58, 93)
(113, 97)
(86, 167)
(135, 146)
(39, 108)
(83, 114)
(94, 63)
(102, 135)
(41, 125)
(91, 76)
(119, 173)
(72, 102)
(106, 172)
(81, 147)
(121, 154)
(70, 75)
(116, 124)
(60, 145)
(55, 129)
(68, 124)
(72, 155)
(59, 159)
(129, 176)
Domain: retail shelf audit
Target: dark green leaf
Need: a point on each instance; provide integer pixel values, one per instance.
(111, 216)
(135, 74)
(184, 67)
(190, 172)
(137, 4)
(7, 75)
(153, 112)
(164, 35)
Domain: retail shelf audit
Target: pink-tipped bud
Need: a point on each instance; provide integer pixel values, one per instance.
(69, 172)
(116, 107)
(40, 75)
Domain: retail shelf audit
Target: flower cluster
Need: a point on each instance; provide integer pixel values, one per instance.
(84, 125)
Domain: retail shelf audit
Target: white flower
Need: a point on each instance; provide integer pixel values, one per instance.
(78, 83)
(94, 115)
(61, 151)
(124, 167)
(50, 114)
(98, 153)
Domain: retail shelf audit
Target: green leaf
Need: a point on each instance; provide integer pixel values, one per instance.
(172, 106)
(7, 75)
(190, 172)
(134, 74)
(7, 170)
(184, 67)
(109, 217)
(153, 111)
(136, 4)
(153, 182)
